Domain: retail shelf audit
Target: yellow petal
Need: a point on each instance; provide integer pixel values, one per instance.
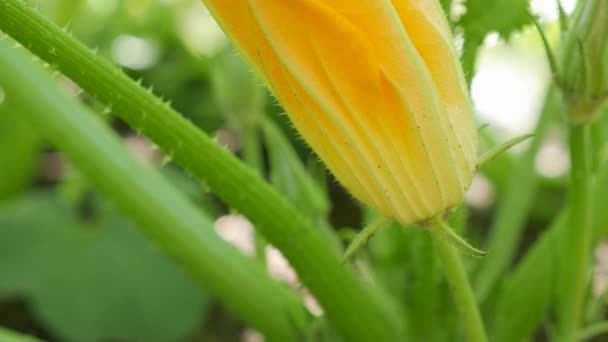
(365, 95)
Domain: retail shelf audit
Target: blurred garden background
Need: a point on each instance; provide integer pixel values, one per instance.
(73, 268)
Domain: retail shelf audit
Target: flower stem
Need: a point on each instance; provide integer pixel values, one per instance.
(459, 283)
(577, 238)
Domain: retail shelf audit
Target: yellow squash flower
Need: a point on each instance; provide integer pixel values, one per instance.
(375, 88)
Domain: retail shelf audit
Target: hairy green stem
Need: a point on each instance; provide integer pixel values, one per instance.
(459, 283)
(582, 61)
(353, 307)
(574, 273)
(163, 214)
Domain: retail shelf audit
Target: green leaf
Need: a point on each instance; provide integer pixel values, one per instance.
(236, 90)
(19, 147)
(89, 281)
(502, 16)
(403, 260)
(426, 299)
(447, 7)
(290, 176)
(527, 293)
(12, 336)
(482, 17)
(514, 205)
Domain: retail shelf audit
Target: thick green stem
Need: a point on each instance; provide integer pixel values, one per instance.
(577, 238)
(354, 308)
(459, 283)
(582, 61)
(163, 215)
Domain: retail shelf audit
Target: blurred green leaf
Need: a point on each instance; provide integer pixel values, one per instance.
(425, 313)
(404, 261)
(527, 294)
(240, 98)
(19, 151)
(12, 336)
(289, 175)
(89, 280)
(236, 89)
(447, 6)
(514, 206)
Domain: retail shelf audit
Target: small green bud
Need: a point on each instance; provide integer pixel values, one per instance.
(583, 57)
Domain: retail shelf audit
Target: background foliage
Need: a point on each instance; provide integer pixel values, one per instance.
(73, 268)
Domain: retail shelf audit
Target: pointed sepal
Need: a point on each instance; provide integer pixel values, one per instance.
(497, 150)
(361, 239)
(442, 230)
(550, 55)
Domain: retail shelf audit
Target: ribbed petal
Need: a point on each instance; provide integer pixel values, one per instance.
(363, 93)
(335, 63)
(428, 29)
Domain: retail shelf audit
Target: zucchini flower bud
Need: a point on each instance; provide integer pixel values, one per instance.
(583, 57)
(375, 88)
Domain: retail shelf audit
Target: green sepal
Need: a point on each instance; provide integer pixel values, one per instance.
(497, 150)
(441, 229)
(363, 237)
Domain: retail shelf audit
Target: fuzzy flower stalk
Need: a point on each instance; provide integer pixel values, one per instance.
(374, 87)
